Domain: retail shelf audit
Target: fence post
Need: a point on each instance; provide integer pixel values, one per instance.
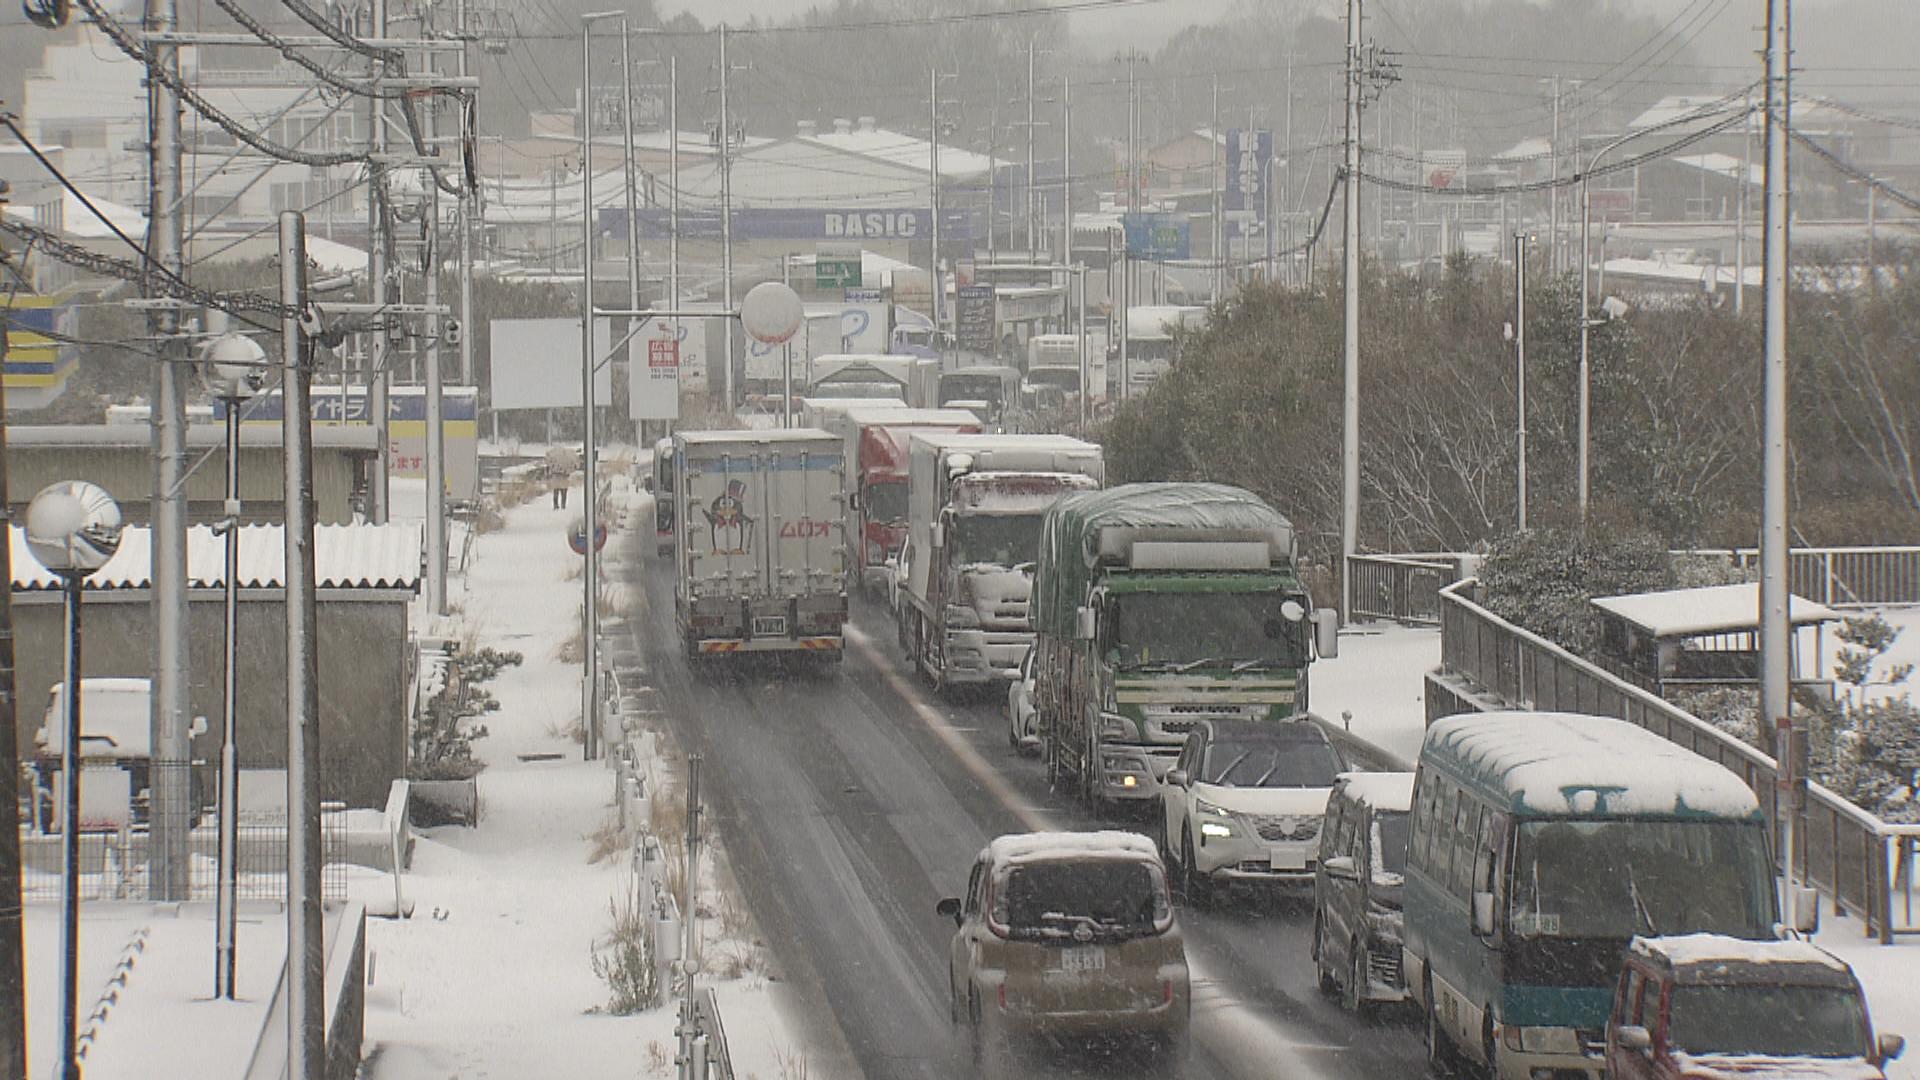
(1826, 560)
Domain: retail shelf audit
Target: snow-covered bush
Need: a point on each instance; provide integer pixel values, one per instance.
(442, 738)
(1545, 579)
(624, 959)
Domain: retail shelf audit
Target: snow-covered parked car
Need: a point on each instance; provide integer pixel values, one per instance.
(1703, 1005)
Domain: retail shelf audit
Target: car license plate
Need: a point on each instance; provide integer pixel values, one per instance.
(1083, 959)
(1287, 860)
(769, 625)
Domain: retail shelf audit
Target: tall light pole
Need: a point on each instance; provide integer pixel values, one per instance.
(1586, 311)
(234, 369)
(1350, 410)
(590, 681)
(1776, 631)
(1520, 376)
(73, 528)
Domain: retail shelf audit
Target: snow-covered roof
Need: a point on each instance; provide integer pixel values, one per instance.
(78, 222)
(1723, 165)
(1689, 949)
(722, 438)
(1666, 270)
(1389, 791)
(908, 151)
(137, 434)
(115, 719)
(1714, 609)
(345, 557)
(1563, 764)
(1017, 848)
(1531, 147)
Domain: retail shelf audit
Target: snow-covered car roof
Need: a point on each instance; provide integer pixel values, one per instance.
(1018, 848)
(115, 719)
(1714, 958)
(1389, 791)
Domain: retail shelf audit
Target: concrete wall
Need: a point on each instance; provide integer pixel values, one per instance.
(363, 676)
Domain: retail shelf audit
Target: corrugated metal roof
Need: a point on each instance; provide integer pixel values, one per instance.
(345, 557)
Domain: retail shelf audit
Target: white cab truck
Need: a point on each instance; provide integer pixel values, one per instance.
(1054, 360)
(760, 543)
(1152, 344)
(974, 507)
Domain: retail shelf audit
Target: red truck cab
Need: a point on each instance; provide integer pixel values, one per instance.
(879, 513)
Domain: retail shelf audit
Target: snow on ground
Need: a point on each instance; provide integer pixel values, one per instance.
(491, 976)
(1376, 686)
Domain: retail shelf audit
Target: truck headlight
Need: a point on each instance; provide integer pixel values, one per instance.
(962, 618)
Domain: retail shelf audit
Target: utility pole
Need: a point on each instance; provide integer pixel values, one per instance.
(1553, 194)
(172, 746)
(589, 362)
(1032, 52)
(306, 943)
(1215, 167)
(379, 377)
(436, 463)
(673, 188)
(726, 213)
(469, 206)
(13, 975)
(633, 208)
(1776, 631)
(1520, 369)
(1740, 210)
(1066, 184)
(1350, 408)
(933, 188)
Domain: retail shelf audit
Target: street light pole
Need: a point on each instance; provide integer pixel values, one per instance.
(1520, 368)
(590, 681)
(73, 528)
(234, 370)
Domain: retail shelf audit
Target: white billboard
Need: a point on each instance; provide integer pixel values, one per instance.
(655, 359)
(535, 363)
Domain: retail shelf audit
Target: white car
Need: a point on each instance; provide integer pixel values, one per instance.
(1245, 802)
(1023, 729)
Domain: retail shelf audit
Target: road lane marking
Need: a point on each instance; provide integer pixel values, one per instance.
(1235, 1031)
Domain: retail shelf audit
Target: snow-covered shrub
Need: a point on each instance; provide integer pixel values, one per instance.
(1545, 579)
(442, 738)
(624, 959)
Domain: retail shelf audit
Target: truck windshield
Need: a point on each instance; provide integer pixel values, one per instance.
(970, 388)
(1781, 1021)
(1228, 629)
(1617, 878)
(997, 539)
(887, 503)
(1065, 378)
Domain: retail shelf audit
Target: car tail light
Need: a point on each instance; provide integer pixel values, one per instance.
(1166, 991)
(1003, 997)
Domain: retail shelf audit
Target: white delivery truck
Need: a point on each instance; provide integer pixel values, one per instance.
(760, 543)
(1053, 360)
(974, 508)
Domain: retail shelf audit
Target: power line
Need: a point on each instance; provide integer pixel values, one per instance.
(1854, 172)
(284, 48)
(126, 43)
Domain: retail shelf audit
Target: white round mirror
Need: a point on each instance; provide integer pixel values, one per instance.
(1292, 610)
(73, 527)
(771, 313)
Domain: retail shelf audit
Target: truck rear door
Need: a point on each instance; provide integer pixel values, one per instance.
(725, 510)
(803, 507)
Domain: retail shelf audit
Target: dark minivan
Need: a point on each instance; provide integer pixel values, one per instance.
(1357, 929)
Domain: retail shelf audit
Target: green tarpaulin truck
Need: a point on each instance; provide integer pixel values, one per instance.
(1156, 606)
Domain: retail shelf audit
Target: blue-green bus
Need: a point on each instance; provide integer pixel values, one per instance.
(1541, 843)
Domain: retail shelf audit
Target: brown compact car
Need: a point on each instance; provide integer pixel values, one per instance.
(1069, 936)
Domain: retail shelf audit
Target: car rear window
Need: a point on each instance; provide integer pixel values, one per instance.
(1109, 897)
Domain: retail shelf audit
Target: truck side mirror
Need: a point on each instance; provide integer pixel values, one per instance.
(950, 907)
(1341, 868)
(1483, 914)
(853, 500)
(1890, 1047)
(1633, 1037)
(1177, 778)
(1806, 909)
(1326, 633)
(1084, 624)
(937, 535)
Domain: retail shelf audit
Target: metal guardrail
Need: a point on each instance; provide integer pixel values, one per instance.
(719, 1061)
(1842, 576)
(1850, 855)
(1403, 588)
